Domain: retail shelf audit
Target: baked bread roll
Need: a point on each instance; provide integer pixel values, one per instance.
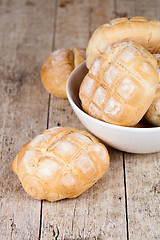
(60, 163)
(153, 113)
(120, 86)
(136, 29)
(58, 67)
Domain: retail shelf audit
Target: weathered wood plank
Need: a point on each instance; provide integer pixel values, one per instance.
(101, 12)
(143, 189)
(25, 39)
(72, 29)
(142, 171)
(99, 213)
(125, 8)
(147, 8)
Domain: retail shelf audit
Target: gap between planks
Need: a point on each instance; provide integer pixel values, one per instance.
(125, 191)
(48, 111)
(124, 169)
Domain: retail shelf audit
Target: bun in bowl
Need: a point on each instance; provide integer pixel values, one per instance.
(121, 84)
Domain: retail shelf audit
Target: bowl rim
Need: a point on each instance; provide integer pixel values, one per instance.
(97, 121)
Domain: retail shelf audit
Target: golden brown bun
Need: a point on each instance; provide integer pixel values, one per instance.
(136, 29)
(153, 113)
(60, 163)
(58, 67)
(79, 56)
(121, 84)
(56, 70)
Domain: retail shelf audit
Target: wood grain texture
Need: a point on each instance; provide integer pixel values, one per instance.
(101, 12)
(72, 29)
(143, 189)
(124, 204)
(99, 213)
(25, 41)
(142, 171)
(147, 8)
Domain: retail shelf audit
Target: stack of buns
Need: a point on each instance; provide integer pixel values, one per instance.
(122, 86)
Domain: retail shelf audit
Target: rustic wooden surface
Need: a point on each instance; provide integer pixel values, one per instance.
(124, 204)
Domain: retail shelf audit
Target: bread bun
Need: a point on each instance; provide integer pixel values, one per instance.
(57, 68)
(136, 29)
(120, 86)
(60, 163)
(153, 113)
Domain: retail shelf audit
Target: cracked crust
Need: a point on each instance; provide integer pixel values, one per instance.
(60, 163)
(120, 85)
(136, 29)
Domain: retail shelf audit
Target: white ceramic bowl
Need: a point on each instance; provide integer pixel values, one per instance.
(129, 139)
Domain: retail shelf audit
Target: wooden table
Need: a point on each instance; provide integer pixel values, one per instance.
(124, 204)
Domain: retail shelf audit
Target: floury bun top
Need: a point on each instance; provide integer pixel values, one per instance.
(121, 84)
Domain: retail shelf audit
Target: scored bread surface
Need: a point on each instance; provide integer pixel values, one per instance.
(121, 84)
(136, 29)
(60, 163)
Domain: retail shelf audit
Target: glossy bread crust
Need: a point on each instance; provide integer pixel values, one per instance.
(60, 163)
(136, 29)
(121, 84)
